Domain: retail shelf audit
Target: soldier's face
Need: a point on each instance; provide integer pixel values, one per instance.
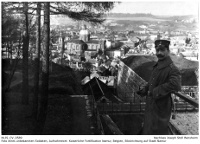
(162, 53)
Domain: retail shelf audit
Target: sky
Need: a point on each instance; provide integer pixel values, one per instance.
(161, 7)
(155, 7)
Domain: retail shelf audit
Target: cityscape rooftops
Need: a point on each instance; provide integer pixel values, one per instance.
(93, 41)
(76, 41)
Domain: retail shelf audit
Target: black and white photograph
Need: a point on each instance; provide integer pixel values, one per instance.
(86, 71)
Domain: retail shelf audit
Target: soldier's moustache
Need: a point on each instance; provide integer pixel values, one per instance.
(160, 56)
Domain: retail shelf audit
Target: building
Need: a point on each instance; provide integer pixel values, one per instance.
(114, 53)
(75, 47)
(93, 47)
(84, 46)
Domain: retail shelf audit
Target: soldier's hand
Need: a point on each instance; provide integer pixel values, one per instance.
(141, 92)
(149, 94)
(142, 87)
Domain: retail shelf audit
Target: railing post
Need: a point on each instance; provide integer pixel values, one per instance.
(134, 99)
(112, 107)
(175, 101)
(106, 107)
(103, 108)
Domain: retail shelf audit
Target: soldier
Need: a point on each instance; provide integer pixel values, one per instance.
(164, 80)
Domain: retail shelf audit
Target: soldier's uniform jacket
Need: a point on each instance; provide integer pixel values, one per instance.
(165, 79)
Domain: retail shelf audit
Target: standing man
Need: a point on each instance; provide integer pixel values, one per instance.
(164, 80)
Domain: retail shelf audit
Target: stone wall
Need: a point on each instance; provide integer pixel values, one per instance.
(127, 82)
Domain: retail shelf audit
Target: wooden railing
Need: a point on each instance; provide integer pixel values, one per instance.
(136, 104)
(188, 99)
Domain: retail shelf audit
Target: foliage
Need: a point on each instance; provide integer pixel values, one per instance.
(54, 36)
(10, 26)
(82, 11)
(13, 23)
(88, 66)
(86, 11)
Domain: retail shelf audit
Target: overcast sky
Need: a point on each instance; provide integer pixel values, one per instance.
(161, 7)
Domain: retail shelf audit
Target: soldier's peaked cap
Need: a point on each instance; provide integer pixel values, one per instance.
(162, 42)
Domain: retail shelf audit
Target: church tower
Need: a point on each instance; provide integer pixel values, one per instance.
(84, 34)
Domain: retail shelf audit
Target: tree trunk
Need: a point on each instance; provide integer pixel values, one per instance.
(62, 50)
(11, 47)
(25, 85)
(37, 62)
(6, 50)
(45, 72)
(13, 69)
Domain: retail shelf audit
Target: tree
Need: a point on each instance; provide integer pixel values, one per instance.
(25, 85)
(22, 10)
(87, 66)
(62, 47)
(11, 40)
(54, 36)
(10, 30)
(45, 71)
(81, 11)
(37, 61)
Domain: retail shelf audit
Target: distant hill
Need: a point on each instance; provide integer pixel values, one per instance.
(128, 15)
(126, 21)
(62, 19)
(125, 15)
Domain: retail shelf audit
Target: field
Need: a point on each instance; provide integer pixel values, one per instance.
(137, 19)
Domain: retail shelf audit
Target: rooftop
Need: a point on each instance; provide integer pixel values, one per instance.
(93, 42)
(77, 41)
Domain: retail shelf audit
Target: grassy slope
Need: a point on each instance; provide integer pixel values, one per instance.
(17, 118)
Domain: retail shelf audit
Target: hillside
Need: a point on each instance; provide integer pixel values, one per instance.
(17, 118)
(142, 65)
(135, 61)
(179, 61)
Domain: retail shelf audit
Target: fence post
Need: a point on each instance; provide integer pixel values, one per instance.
(134, 99)
(103, 108)
(121, 106)
(112, 107)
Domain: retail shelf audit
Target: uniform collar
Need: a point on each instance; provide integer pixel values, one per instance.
(164, 63)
